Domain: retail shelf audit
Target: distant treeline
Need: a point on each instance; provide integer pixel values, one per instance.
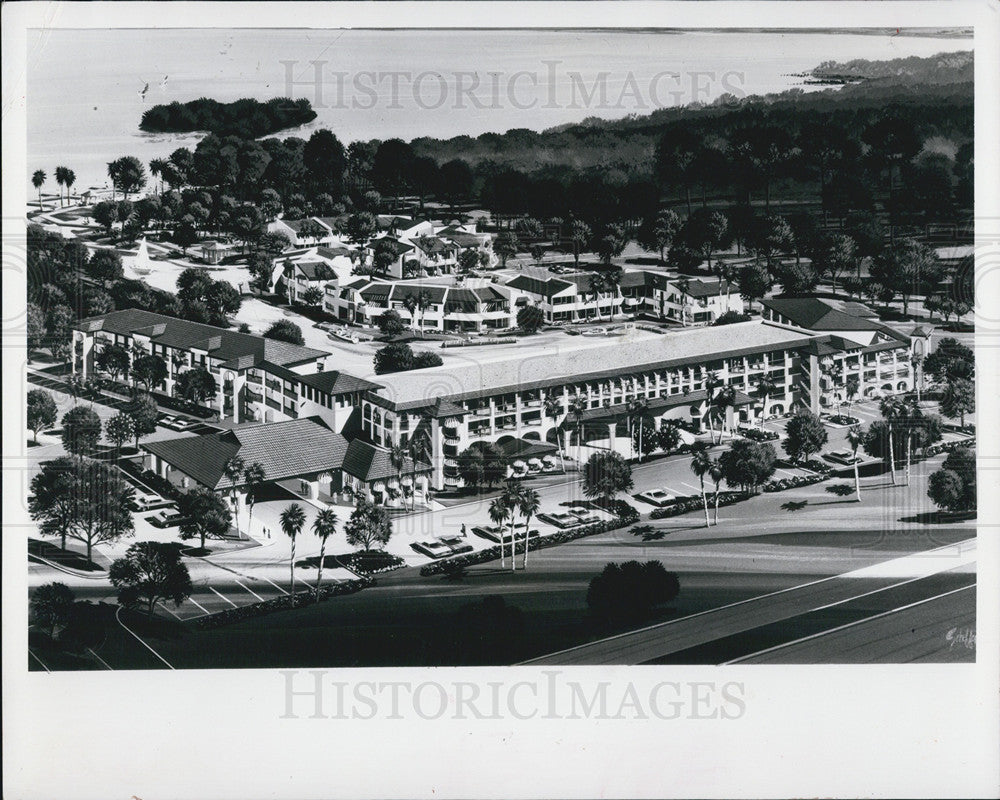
(247, 117)
(936, 92)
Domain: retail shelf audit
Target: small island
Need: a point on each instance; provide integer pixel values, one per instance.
(247, 117)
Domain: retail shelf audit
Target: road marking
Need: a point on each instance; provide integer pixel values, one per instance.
(199, 605)
(665, 625)
(138, 639)
(851, 624)
(168, 610)
(220, 594)
(105, 663)
(696, 488)
(32, 654)
(249, 590)
(779, 469)
(273, 584)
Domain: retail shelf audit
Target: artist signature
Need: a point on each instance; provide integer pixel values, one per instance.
(965, 637)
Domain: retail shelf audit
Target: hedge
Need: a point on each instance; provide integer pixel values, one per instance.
(296, 600)
(781, 484)
(493, 553)
(689, 503)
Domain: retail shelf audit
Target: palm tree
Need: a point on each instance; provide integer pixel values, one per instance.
(917, 362)
(397, 457)
(410, 304)
(234, 469)
(637, 411)
(528, 504)
(552, 409)
(511, 495)
(253, 479)
(855, 436)
(765, 389)
(701, 463)
(37, 179)
(712, 382)
(292, 520)
(69, 178)
(324, 526)
(423, 303)
(498, 513)
(157, 168)
(577, 405)
(851, 389)
(61, 180)
(891, 409)
(723, 400)
(717, 474)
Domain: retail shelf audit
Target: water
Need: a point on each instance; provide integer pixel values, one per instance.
(85, 101)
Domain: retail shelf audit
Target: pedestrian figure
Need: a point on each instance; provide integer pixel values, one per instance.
(463, 531)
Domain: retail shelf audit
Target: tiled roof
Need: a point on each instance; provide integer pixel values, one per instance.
(336, 382)
(314, 270)
(370, 463)
(395, 245)
(285, 450)
(606, 358)
(700, 289)
(544, 288)
(220, 343)
(463, 239)
(817, 314)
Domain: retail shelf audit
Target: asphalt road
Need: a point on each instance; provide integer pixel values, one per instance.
(938, 629)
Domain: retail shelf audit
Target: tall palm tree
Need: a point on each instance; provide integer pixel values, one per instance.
(511, 495)
(892, 410)
(292, 519)
(637, 411)
(157, 168)
(701, 463)
(253, 478)
(577, 405)
(765, 388)
(324, 526)
(712, 382)
(716, 472)
(528, 504)
(724, 400)
(851, 389)
(69, 178)
(553, 409)
(397, 457)
(61, 180)
(917, 362)
(234, 469)
(423, 303)
(37, 179)
(410, 304)
(498, 514)
(855, 436)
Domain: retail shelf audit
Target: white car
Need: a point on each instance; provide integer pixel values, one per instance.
(144, 501)
(657, 497)
(432, 548)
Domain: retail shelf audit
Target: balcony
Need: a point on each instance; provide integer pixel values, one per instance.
(273, 385)
(452, 440)
(481, 412)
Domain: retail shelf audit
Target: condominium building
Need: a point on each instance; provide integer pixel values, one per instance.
(856, 355)
(475, 305)
(559, 397)
(257, 379)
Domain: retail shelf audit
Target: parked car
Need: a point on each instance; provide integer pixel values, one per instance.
(432, 548)
(166, 518)
(457, 544)
(841, 457)
(657, 497)
(146, 501)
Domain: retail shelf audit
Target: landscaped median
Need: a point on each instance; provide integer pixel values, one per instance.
(282, 603)
(622, 520)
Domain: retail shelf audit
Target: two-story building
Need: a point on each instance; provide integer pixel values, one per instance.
(472, 306)
(570, 298)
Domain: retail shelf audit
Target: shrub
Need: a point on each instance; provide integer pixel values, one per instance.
(840, 489)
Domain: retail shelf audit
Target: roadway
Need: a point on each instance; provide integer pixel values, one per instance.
(721, 633)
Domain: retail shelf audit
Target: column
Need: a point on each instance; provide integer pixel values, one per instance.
(437, 454)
